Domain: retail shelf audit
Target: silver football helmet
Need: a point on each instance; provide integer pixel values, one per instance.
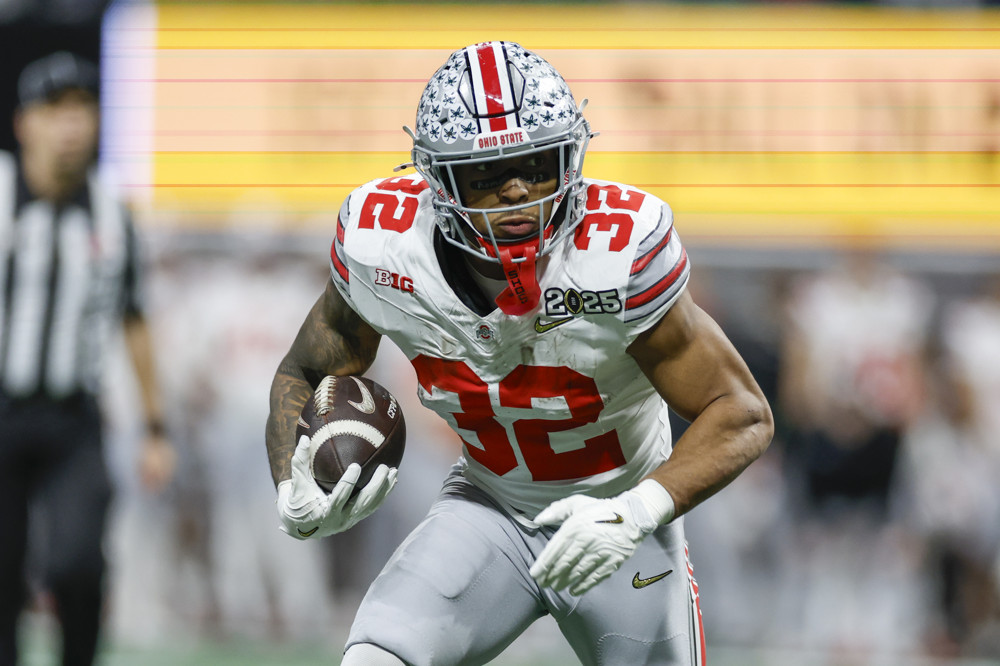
(490, 101)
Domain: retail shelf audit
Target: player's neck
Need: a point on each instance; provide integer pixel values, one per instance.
(487, 275)
(483, 268)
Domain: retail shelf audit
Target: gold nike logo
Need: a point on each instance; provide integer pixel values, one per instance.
(541, 327)
(639, 583)
(612, 521)
(309, 533)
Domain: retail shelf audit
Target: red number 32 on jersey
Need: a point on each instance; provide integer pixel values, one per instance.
(495, 450)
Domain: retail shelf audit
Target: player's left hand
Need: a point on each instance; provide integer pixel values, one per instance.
(597, 535)
(306, 511)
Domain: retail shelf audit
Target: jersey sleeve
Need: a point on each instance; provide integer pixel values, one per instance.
(657, 276)
(339, 272)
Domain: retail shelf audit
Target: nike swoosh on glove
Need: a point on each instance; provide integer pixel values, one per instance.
(597, 535)
(305, 511)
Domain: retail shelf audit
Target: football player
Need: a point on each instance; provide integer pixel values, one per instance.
(547, 319)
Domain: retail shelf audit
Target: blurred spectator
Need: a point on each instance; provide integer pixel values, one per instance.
(949, 490)
(851, 378)
(950, 497)
(971, 333)
(851, 382)
(260, 585)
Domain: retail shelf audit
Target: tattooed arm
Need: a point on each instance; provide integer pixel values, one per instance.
(333, 340)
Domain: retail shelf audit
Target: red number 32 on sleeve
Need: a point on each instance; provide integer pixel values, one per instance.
(393, 205)
(495, 451)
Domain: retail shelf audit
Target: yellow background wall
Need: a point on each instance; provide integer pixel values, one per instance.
(767, 125)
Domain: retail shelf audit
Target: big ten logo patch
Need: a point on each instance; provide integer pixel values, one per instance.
(386, 278)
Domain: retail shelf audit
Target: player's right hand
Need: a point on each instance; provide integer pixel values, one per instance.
(305, 511)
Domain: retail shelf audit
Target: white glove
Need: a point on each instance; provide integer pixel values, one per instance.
(597, 535)
(306, 511)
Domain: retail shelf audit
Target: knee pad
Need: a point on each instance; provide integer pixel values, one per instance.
(367, 654)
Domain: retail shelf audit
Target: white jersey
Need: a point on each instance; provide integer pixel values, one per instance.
(547, 404)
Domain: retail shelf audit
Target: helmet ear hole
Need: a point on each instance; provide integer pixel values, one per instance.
(558, 217)
(446, 176)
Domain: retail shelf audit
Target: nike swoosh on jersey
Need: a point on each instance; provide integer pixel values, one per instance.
(541, 327)
(309, 533)
(613, 521)
(639, 583)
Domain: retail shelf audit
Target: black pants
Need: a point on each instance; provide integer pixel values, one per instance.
(861, 472)
(52, 468)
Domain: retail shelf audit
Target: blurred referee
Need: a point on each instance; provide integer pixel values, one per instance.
(68, 274)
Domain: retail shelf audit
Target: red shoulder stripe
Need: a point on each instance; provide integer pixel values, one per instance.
(659, 287)
(338, 265)
(335, 256)
(644, 260)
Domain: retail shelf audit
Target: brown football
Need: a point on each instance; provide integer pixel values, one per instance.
(351, 420)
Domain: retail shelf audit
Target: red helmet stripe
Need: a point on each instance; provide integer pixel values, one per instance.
(491, 84)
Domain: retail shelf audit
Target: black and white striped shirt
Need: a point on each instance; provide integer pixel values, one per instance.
(68, 274)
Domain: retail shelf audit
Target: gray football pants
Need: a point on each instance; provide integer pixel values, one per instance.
(51, 459)
(457, 591)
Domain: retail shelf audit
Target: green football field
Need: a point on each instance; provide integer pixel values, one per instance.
(243, 655)
(540, 646)
(40, 648)
(230, 655)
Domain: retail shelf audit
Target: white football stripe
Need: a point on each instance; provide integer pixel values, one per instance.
(348, 427)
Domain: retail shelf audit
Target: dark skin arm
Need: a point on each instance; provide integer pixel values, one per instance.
(696, 369)
(333, 340)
